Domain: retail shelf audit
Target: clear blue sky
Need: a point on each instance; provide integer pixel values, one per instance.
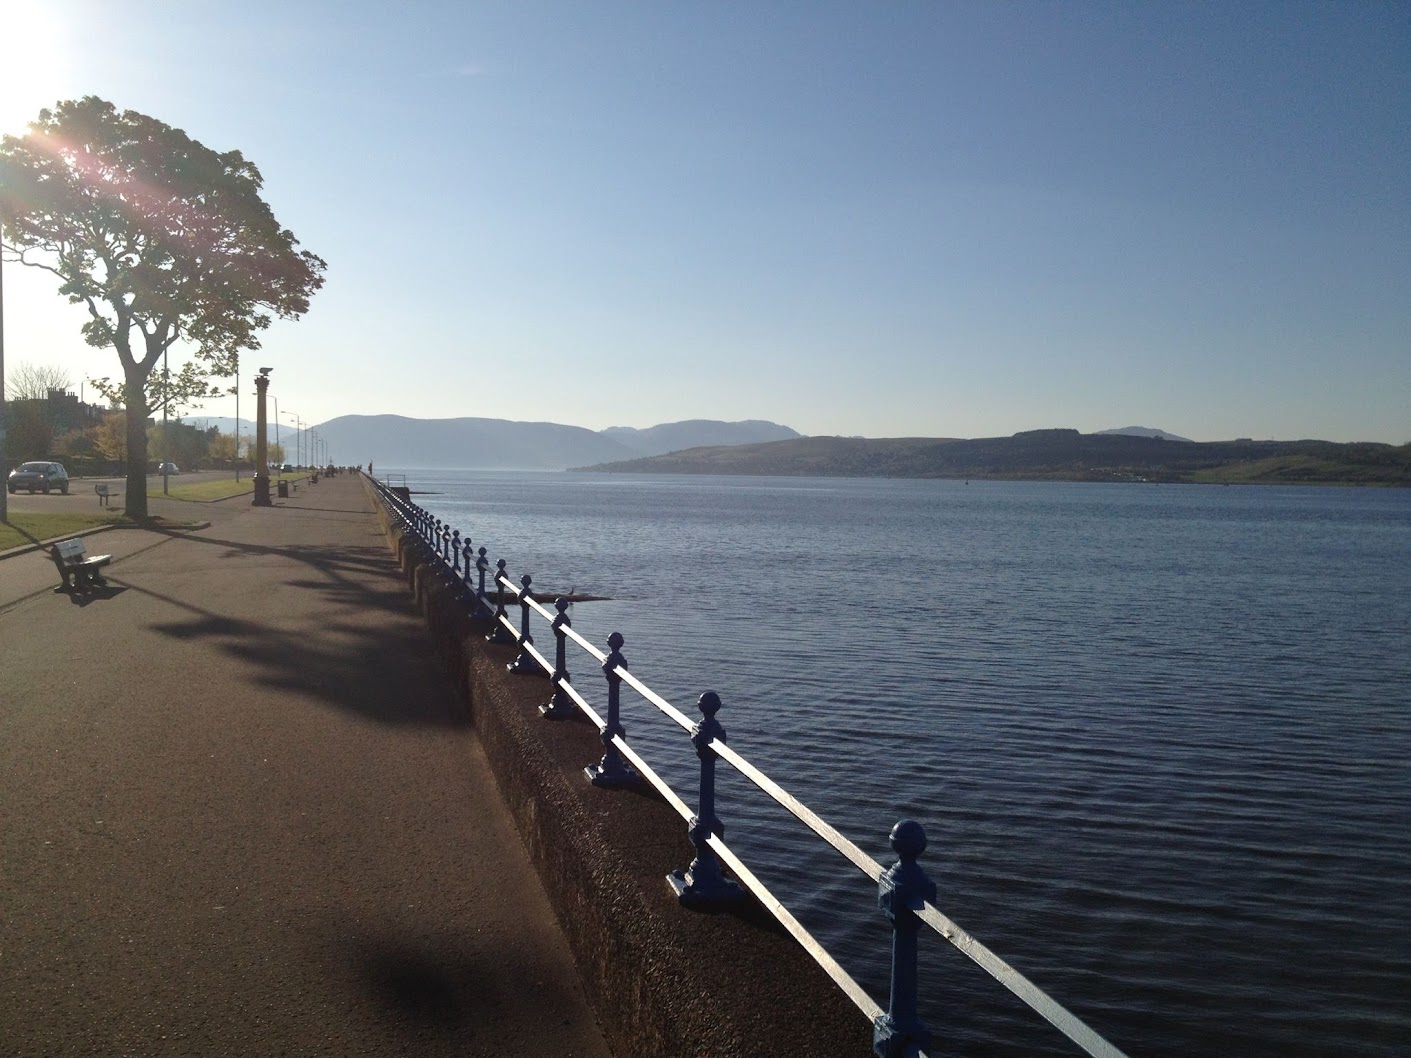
(887, 219)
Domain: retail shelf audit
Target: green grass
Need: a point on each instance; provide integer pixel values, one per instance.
(31, 528)
(205, 491)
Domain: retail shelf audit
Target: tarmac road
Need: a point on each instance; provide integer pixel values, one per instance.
(243, 813)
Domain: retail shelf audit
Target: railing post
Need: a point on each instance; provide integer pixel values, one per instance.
(902, 889)
(611, 771)
(524, 663)
(702, 885)
(499, 634)
(482, 565)
(560, 706)
(467, 584)
(456, 552)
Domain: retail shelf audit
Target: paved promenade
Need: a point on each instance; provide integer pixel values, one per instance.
(241, 812)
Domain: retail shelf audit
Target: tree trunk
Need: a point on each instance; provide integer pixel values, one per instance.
(136, 449)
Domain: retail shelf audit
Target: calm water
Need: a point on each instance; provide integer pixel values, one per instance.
(1158, 735)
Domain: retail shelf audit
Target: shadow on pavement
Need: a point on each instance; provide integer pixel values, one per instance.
(364, 657)
(91, 595)
(454, 986)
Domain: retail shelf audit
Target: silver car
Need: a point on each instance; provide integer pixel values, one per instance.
(39, 477)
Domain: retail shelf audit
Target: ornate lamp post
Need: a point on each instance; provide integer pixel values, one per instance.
(261, 442)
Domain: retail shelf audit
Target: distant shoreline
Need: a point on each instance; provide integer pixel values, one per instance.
(1046, 455)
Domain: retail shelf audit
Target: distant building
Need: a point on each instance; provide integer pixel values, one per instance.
(60, 410)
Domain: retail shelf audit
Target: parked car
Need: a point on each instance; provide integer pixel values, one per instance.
(288, 468)
(168, 468)
(41, 476)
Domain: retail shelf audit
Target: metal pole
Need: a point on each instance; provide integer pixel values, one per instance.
(237, 417)
(166, 427)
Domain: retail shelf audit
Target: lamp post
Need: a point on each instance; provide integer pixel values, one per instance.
(261, 443)
(298, 438)
(276, 431)
(166, 429)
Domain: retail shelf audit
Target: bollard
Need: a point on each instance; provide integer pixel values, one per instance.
(500, 634)
(524, 663)
(902, 889)
(611, 771)
(702, 885)
(560, 706)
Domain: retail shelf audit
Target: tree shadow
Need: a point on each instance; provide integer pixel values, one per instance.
(458, 987)
(24, 533)
(383, 670)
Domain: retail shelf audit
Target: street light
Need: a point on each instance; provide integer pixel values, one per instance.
(166, 430)
(298, 438)
(237, 417)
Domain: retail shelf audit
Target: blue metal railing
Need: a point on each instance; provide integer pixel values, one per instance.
(905, 894)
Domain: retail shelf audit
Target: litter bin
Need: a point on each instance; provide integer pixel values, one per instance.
(283, 489)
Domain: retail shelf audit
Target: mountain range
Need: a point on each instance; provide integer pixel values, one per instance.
(1038, 455)
(502, 444)
(709, 446)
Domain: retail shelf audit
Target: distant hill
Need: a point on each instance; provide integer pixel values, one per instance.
(502, 444)
(695, 433)
(487, 444)
(1060, 455)
(1145, 431)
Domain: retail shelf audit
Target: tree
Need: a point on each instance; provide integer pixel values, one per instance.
(221, 448)
(162, 240)
(35, 381)
(178, 442)
(111, 439)
(29, 434)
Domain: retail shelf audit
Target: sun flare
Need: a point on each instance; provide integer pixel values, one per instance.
(35, 64)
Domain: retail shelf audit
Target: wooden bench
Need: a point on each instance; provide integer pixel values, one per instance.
(76, 567)
(104, 495)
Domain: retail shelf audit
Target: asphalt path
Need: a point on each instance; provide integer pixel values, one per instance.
(242, 813)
